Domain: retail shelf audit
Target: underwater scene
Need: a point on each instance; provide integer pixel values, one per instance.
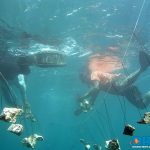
(74, 74)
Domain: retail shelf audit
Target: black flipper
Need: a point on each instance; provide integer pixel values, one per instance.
(144, 60)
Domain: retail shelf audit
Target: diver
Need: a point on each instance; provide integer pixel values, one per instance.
(14, 68)
(114, 84)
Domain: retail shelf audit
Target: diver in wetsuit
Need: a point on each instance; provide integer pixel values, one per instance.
(112, 84)
(16, 67)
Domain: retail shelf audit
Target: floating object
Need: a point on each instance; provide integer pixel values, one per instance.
(128, 130)
(145, 119)
(112, 144)
(49, 59)
(16, 129)
(86, 144)
(97, 147)
(10, 114)
(31, 141)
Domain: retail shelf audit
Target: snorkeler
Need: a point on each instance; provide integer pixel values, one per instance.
(114, 84)
(16, 67)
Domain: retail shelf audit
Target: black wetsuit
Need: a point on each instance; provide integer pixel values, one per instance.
(10, 68)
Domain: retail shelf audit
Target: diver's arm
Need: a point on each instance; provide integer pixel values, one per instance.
(87, 100)
(26, 105)
(92, 93)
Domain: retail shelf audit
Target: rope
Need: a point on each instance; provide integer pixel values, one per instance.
(125, 53)
(123, 108)
(12, 98)
(101, 130)
(125, 70)
(109, 120)
(107, 113)
(1, 102)
(134, 30)
(102, 123)
(131, 37)
(32, 128)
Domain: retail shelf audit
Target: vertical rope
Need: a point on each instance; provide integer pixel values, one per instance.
(109, 120)
(137, 21)
(102, 123)
(9, 90)
(123, 110)
(125, 53)
(1, 102)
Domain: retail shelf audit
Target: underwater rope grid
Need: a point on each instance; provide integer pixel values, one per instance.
(137, 21)
(100, 119)
(125, 53)
(107, 112)
(131, 37)
(12, 98)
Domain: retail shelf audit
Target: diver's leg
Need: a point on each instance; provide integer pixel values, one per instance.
(21, 85)
(90, 96)
(129, 80)
(144, 60)
(134, 96)
(146, 98)
(91, 92)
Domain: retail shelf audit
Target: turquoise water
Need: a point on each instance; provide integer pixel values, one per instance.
(78, 28)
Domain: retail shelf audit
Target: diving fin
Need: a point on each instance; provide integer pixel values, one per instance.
(144, 60)
(48, 59)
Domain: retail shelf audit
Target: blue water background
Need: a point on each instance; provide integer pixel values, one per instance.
(78, 28)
